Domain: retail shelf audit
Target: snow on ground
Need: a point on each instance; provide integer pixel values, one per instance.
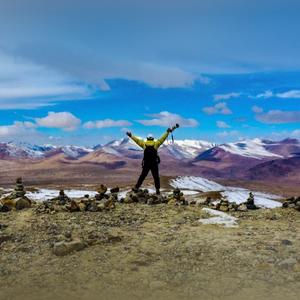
(190, 192)
(219, 218)
(45, 194)
(239, 195)
(233, 194)
(196, 183)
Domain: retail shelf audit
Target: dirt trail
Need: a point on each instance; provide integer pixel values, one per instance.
(151, 252)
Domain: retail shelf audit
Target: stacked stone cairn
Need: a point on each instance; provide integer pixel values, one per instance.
(293, 202)
(61, 199)
(224, 205)
(250, 202)
(101, 201)
(17, 199)
(143, 196)
(177, 198)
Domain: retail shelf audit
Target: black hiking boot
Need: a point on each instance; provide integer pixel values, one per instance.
(135, 189)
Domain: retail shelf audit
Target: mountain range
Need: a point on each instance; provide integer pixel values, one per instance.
(254, 159)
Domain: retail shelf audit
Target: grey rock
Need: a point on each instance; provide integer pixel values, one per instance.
(65, 248)
(288, 264)
(242, 207)
(286, 242)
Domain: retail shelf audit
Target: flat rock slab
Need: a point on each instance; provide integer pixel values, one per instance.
(65, 248)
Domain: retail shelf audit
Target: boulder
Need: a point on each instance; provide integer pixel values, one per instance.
(110, 203)
(73, 206)
(22, 202)
(102, 189)
(82, 206)
(224, 208)
(64, 248)
(4, 208)
(292, 203)
(242, 207)
(92, 206)
(115, 190)
(100, 207)
(8, 202)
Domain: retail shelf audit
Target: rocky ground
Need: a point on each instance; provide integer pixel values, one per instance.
(137, 251)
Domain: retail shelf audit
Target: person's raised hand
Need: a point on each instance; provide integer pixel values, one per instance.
(129, 133)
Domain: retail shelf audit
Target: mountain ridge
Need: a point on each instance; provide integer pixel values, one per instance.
(254, 159)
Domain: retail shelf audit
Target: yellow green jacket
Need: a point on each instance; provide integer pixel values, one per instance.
(156, 143)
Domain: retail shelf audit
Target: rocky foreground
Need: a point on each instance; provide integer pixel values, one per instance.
(141, 251)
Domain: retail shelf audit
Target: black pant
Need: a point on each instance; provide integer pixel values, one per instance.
(145, 171)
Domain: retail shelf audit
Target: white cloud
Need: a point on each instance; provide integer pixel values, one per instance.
(219, 108)
(257, 109)
(279, 117)
(107, 123)
(153, 74)
(24, 84)
(63, 120)
(226, 96)
(17, 129)
(289, 94)
(222, 124)
(266, 94)
(167, 119)
(294, 94)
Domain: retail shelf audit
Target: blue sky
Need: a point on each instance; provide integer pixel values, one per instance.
(85, 72)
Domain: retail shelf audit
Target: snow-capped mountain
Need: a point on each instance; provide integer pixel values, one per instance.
(74, 151)
(186, 149)
(27, 151)
(19, 151)
(255, 148)
(250, 159)
(193, 150)
(180, 149)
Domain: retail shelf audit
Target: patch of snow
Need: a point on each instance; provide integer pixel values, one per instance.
(45, 194)
(233, 194)
(250, 148)
(196, 183)
(263, 200)
(122, 194)
(189, 192)
(219, 218)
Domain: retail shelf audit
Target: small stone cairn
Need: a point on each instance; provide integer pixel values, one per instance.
(177, 198)
(293, 202)
(61, 199)
(250, 202)
(101, 201)
(143, 196)
(17, 199)
(225, 206)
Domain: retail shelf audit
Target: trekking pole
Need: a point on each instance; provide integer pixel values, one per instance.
(172, 129)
